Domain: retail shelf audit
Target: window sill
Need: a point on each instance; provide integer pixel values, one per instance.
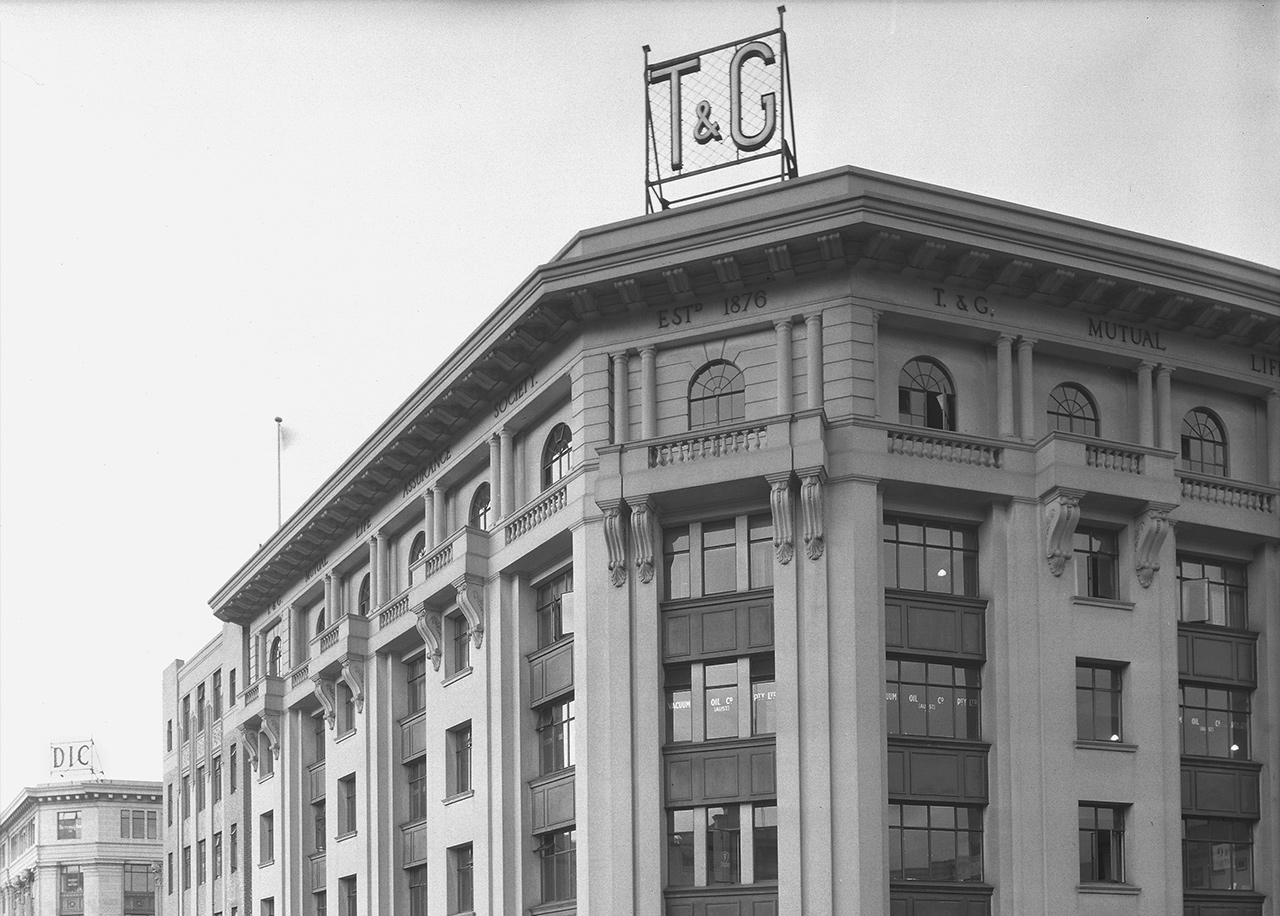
(457, 797)
(345, 836)
(555, 908)
(344, 736)
(1111, 604)
(457, 676)
(1122, 746)
(1123, 890)
(267, 864)
(261, 779)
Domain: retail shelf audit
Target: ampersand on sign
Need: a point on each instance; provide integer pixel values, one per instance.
(705, 130)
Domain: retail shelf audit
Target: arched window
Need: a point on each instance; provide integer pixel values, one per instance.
(480, 507)
(1072, 410)
(362, 603)
(926, 396)
(1204, 443)
(717, 394)
(273, 658)
(555, 455)
(321, 624)
(418, 547)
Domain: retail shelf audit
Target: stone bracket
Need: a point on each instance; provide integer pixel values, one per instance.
(471, 601)
(326, 694)
(783, 508)
(353, 675)
(642, 518)
(1061, 514)
(432, 633)
(811, 509)
(249, 741)
(271, 728)
(1149, 531)
(616, 541)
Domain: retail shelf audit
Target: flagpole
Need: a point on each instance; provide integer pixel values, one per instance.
(279, 498)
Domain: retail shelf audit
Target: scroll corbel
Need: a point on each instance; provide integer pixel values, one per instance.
(1061, 515)
(471, 601)
(271, 728)
(432, 633)
(642, 538)
(327, 696)
(353, 676)
(616, 541)
(249, 741)
(811, 512)
(781, 505)
(1149, 532)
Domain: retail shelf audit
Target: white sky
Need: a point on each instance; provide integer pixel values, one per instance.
(214, 213)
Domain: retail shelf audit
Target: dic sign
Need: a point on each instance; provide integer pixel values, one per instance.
(75, 755)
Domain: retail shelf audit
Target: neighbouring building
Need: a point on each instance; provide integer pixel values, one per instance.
(850, 545)
(82, 848)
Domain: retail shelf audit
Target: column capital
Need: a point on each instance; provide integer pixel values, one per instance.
(782, 324)
(1146, 366)
(650, 350)
(1273, 396)
(1026, 343)
(1004, 340)
(1163, 369)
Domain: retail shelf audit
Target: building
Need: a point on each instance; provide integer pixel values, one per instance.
(850, 545)
(89, 848)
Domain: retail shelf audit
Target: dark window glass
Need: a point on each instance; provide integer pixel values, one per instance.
(418, 547)
(416, 771)
(1215, 721)
(1101, 844)
(347, 799)
(935, 843)
(555, 736)
(460, 636)
(765, 842)
(363, 597)
(550, 610)
(320, 820)
(720, 708)
(933, 699)
(558, 853)
(724, 845)
(463, 885)
(717, 394)
(1072, 410)
(417, 677)
(930, 556)
(418, 891)
(675, 562)
(1097, 563)
(1217, 854)
(680, 848)
(460, 739)
(556, 455)
(926, 396)
(719, 557)
(760, 550)
(1204, 443)
(1097, 703)
(480, 503)
(1213, 591)
(68, 825)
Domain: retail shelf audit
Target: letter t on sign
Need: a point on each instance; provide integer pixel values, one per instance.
(673, 72)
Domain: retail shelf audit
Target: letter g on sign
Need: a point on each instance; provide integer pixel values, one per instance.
(752, 50)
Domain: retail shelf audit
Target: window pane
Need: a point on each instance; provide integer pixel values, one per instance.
(765, 842)
(719, 557)
(680, 714)
(680, 848)
(723, 849)
(763, 704)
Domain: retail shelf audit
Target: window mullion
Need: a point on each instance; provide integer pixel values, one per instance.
(747, 844)
(695, 559)
(700, 868)
(698, 700)
(744, 698)
(741, 549)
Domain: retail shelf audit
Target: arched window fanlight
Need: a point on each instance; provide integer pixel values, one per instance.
(418, 547)
(321, 624)
(717, 394)
(480, 503)
(273, 658)
(926, 396)
(1072, 410)
(556, 454)
(1204, 443)
(362, 603)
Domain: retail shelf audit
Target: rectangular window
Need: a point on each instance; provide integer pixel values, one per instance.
(1101, 844)
(416, 773)
(234, 849)
(461, 896)
(200, 860)
(168, 735)
(555, 736)
(217, 855)
(186, 868)
(933, 699)
(764, 840)
(216, 779)
(347, 805)
(168, 806)
(137, 824)
(705, 845)
(705, 700)
(1217, 854)
(417, 677)
(460, 638)
(217, 694)
(320, 903)
(680, 853)
(1215, 721)
(268, 906)
(200, 708)
(549, 608)
(719, 557)
(418, 891)
(317, 739)
(1097, 563)
(558, 854)
(234, 771)
(231, 688)
(186, 796)
(930, 556)
(346, 710)
(171, 873)
(675, 562)
(68, 825)
(186, 718)
(318, 814)
(935, 843)
(200, 793)
(724, 845)
(1097, 702)
(70, 890)
(267, 838)
(266, 759)
(458, 744)
(347, 896)
(760, 551)
(1213, 591)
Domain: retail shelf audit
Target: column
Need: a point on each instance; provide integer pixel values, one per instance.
(1004, 386)
(441, 517)
(1164, 409)
(507, 473)
(648, 393)
(330, 599)
(813, 359)
(1273, 438)
(875, 355)
(1146, 431)
(495, 478)
(786, 399)
(375, 571)
(621, 399)
(1026, 390)
(429, 525)
(383, 591)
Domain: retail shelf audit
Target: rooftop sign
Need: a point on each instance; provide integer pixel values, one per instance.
(713, 109)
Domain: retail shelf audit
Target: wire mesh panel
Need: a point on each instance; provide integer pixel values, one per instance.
(716, 108)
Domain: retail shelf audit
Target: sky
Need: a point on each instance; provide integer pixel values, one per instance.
(216, 213)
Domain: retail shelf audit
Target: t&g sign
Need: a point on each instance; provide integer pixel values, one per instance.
(723, 106)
